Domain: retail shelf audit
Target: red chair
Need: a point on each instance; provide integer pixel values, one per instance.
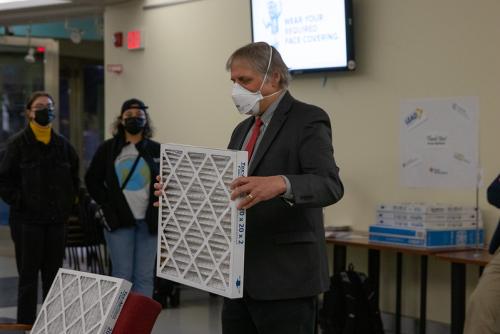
(138, 315)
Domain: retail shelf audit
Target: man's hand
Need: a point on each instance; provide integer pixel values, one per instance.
(158, 186)
(255, 189)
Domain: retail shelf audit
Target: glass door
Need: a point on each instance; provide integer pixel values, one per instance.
(25, 66)
(22, 72)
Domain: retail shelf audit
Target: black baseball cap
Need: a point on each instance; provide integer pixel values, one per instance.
(131, 103)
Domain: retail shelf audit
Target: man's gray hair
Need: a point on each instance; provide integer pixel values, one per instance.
(257, 56)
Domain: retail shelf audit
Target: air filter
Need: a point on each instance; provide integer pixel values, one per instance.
(81, 303)
(201, 233)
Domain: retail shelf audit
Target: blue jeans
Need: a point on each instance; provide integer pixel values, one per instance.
(133, 252)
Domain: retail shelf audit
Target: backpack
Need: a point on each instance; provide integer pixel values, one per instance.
(350, 306)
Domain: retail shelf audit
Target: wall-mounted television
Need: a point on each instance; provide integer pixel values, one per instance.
(311, 35)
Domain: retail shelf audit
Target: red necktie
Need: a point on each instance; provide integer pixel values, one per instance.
(253, 137)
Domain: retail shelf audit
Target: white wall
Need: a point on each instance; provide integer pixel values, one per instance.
(405, 49)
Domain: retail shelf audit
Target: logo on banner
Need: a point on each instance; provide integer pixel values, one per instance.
(415, 118)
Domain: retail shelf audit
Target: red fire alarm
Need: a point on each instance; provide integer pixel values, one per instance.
(118, 39)
(135, 40)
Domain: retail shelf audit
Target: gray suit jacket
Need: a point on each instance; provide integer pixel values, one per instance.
(285, 251)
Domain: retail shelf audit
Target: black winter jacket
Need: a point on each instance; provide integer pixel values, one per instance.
(103, 185)
(39, 181)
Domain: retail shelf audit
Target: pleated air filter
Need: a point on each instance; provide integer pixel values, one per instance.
(201, 235)
(81, 303)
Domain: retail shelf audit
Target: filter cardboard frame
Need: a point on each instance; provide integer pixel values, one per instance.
(201, 233)
(81, 303)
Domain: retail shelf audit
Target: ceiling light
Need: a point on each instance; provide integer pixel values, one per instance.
(76, 35)
(30, 57)
(149, 4)
(19, 4)
(9, 1)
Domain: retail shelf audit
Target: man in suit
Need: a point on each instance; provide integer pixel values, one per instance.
(493, 192)
(292, 176)
(483, 310)
(493, 196)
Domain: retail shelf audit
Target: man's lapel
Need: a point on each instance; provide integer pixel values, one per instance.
(238, 138)
(279, 117)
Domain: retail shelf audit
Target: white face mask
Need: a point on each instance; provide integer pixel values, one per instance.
(247, 102)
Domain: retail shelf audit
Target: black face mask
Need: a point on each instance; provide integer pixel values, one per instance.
(44, 116)
(134, 125)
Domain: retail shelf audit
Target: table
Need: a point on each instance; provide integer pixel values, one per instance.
(15, 327)
(459, 259)
(360, 239)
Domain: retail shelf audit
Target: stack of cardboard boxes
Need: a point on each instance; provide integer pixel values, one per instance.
(428, 225)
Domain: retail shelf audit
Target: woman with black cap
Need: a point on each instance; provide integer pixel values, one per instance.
(119, 179)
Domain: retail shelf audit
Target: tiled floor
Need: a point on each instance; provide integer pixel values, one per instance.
(197, 313)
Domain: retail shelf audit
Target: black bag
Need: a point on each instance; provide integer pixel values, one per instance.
(106, 216)
(350, 306)
(105, 213)
(167, 293)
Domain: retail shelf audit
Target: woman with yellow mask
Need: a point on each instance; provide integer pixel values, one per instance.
(39, 180)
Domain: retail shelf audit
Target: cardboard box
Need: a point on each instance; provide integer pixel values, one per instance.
(443, 224)
(424, 237)
(425, 208)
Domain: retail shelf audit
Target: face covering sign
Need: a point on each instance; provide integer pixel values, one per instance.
(308, 34)
(439, 142)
